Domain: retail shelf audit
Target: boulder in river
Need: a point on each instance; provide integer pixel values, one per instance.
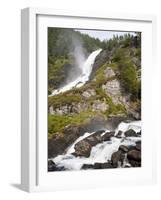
(117, 157)
(83, 147)
(106, 165)
(51, 166)
(130, 133)
(138, 146)
(134, 155)
(107, 136)
(123, 148)
(119, 134)
(87, 166)
(134, 163)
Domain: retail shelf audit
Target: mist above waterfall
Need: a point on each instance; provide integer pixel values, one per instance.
(79, 58)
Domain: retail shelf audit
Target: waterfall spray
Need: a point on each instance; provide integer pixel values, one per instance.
(86, 70)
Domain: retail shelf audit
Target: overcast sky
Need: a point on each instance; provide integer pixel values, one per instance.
(103, 35)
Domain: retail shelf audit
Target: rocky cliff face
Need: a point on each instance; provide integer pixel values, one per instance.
(89, 98)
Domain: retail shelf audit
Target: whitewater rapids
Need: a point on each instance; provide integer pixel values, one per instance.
(84, 76)
(102, 152)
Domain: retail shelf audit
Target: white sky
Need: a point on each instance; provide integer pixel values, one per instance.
(103, 35)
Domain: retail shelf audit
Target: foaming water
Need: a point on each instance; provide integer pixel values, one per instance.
(84, 76)
(102, 152)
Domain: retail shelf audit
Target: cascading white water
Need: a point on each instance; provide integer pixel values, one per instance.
(84, 76)
(102, 152)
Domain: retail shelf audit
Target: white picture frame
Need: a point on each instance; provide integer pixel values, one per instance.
(33, 175)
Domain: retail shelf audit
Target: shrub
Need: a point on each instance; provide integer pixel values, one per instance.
(128, 78)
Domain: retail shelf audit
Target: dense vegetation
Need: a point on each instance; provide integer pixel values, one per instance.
(123, 57)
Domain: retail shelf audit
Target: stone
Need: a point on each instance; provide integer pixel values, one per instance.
(87, 166)
(119, 134)
(138, 146)
(135, 163)
(106, 165)
(97, 165)
(117, 157)
(139, 133)
(109, 72)
(123, 148)
(107, 136)
(82, 148)
(88, 93)
(134, 155)
(99, 106)
(130, 133)
(51, 166)
(112, 87)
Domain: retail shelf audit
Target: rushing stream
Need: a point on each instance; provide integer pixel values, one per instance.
(101, 152)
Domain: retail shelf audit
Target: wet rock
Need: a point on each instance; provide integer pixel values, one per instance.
(117, 157)
(82, 148)
(98, 166)
(119, 134)
(134, 155)
(138, 142)
(138, 146)
(135, 163)
(106, 165)
(126, 166)
(130, 133)
(139, 133)
(107, 136)
(131, 147)
(87, 166)
(123, 148)
(51, 166)
(95, 138)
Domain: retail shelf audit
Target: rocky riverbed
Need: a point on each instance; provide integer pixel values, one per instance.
(101, 149)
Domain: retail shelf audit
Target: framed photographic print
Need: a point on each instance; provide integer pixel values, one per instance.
(86, 111)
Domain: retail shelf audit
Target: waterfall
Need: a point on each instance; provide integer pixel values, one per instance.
(84, 76)
(102, 152)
